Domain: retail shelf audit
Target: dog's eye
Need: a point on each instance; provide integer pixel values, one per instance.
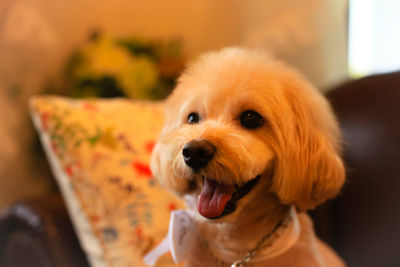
(193, 118)
(251, 119)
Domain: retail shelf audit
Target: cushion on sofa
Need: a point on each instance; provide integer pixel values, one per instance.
(99, 151)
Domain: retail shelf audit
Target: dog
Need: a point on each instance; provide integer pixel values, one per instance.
(251, 145)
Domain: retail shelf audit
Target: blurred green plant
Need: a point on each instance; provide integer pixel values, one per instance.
(128, 67)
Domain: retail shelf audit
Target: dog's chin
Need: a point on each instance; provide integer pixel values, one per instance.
(218, 200)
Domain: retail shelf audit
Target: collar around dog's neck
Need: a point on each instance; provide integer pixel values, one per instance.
(275, 243)
(179, 240)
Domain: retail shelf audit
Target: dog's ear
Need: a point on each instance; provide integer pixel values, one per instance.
(308, 167)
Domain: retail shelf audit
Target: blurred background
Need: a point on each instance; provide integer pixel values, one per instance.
(136, 49)
(40, 43)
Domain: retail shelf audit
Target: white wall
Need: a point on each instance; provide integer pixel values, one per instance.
(311, 34)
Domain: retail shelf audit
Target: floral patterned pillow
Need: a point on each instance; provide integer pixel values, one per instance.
(99, 151)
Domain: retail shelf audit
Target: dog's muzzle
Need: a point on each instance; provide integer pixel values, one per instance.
(198, 153)
(216, 199)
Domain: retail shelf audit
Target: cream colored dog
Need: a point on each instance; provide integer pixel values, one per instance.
(246, 139)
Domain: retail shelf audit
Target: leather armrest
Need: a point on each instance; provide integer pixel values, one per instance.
(38, 232)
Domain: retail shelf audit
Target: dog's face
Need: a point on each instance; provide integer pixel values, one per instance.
(239, 127)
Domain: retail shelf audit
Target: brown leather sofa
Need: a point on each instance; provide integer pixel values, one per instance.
(365, 219)
(38, 233)
(362, 224)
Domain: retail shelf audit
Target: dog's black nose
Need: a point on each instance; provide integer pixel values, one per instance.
(197, 153)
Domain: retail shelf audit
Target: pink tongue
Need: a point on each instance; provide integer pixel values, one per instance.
(212, 200)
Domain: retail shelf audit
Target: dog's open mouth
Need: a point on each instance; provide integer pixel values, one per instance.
(218, 199)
